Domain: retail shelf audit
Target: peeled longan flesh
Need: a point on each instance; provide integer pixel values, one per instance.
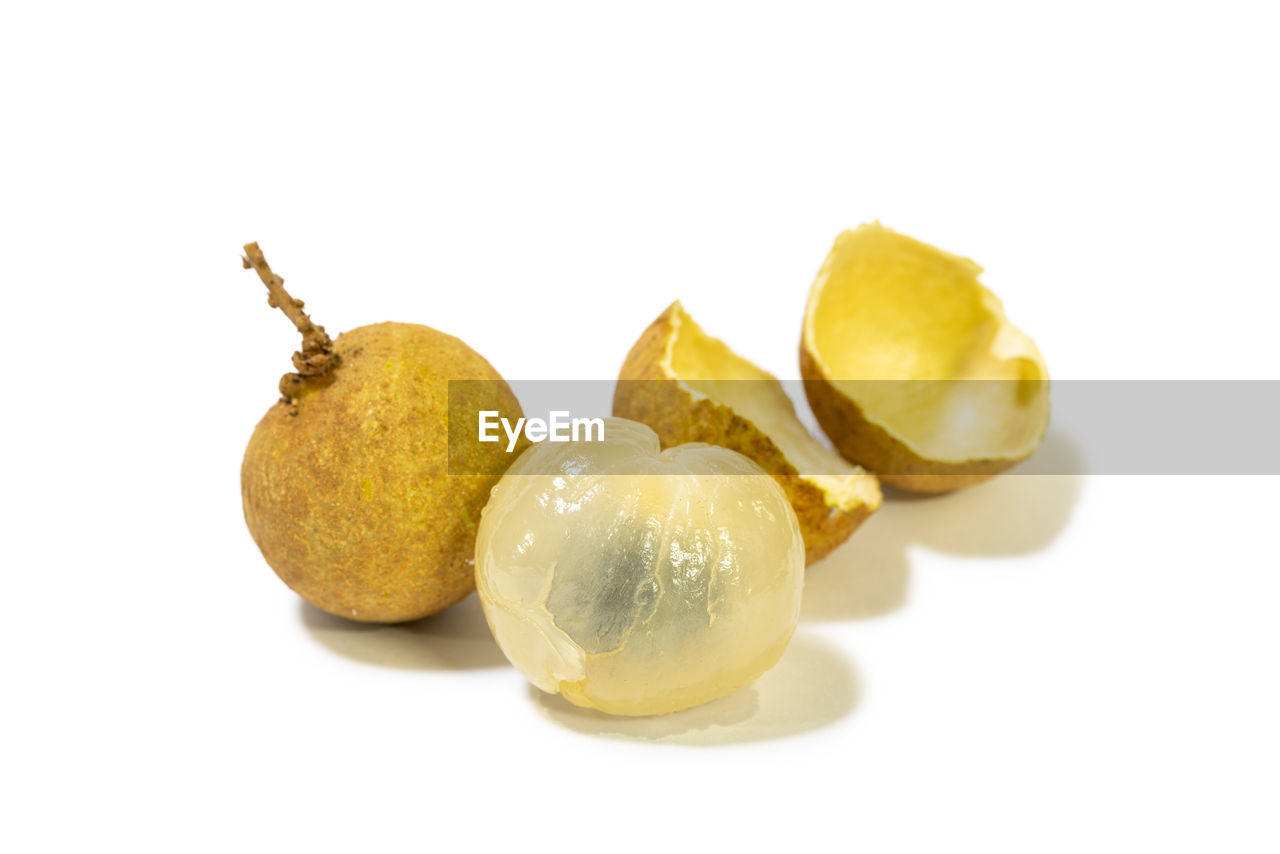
(345, 481)
(639, 581)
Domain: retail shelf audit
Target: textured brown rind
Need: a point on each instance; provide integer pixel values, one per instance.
(351, 500)
(866, 443)
(647, 393)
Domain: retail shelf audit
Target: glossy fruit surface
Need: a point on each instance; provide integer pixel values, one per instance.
(639, 581)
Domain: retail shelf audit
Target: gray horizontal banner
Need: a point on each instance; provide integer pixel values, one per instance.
(1224, 427)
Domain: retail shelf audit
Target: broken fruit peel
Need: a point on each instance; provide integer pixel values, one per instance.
(912, 368)
(690, 387)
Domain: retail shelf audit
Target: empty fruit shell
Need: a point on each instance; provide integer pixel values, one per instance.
(690, 387)
(912, 368)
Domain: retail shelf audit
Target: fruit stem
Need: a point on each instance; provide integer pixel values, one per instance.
(317, 357)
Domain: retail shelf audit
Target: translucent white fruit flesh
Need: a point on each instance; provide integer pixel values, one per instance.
(639, 581)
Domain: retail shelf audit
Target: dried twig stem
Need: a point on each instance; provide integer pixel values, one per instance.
(317, 357)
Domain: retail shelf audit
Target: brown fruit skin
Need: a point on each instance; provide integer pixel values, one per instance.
(351, 500)
(644, 393)
(866, 443)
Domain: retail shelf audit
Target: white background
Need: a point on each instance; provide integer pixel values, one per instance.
(1037, 664)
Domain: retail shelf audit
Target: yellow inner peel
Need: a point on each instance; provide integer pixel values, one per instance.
(909, 333)
(706, 366)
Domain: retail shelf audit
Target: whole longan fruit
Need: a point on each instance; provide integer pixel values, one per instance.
(348, 484)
